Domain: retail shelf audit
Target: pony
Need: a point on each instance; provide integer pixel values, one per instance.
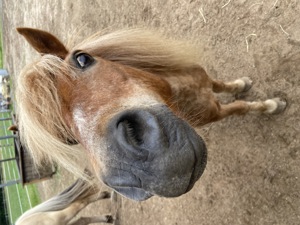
(62, 209)
(131, 99)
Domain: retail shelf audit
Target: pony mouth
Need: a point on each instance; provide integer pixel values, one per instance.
(135, 193)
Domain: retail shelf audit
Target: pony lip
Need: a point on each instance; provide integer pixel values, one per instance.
(135, 193)
(199, 166)
(126, 183)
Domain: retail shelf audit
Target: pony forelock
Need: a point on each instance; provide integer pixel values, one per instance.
(41, 125)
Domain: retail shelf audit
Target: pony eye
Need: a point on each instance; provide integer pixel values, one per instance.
(84, 60)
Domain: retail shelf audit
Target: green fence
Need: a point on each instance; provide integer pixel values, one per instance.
(18, 199)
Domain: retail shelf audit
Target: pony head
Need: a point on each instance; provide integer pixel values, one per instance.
(109, 95)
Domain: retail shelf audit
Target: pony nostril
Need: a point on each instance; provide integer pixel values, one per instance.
(137, 132)
(133, 131)
(130, 135)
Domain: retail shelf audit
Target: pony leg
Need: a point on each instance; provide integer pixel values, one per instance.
(95, 219)
(240, 85)
(98, 196)
(270, 106)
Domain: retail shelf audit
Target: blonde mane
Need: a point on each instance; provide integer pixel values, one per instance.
(40, 118)
(142, 49)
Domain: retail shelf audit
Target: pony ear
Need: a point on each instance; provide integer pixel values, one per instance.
(43, 42)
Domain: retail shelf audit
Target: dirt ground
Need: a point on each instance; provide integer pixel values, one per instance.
(253, 171)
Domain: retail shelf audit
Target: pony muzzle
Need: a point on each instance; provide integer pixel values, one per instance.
(152, 152)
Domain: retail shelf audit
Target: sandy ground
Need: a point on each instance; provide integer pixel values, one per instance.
(253, 170)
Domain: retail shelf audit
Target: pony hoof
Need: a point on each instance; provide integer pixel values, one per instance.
(109, 219)
(244, 83)
(275, 106)
(104, 195)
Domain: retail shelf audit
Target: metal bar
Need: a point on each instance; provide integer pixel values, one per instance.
(6, 145)
(4, 111)
(7, 137)
(8, 118)
(6, 160)
(9, 183)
